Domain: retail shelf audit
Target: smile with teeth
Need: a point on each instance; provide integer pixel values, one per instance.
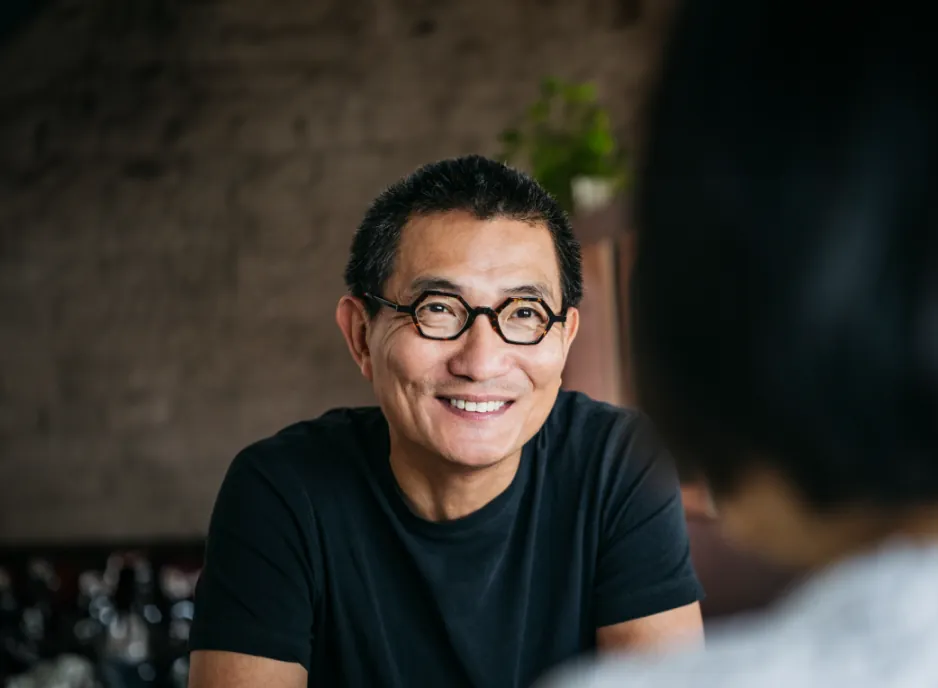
(477, 406)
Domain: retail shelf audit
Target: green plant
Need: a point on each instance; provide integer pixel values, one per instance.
(565, 134)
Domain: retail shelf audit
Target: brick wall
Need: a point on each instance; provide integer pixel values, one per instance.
(179, 182)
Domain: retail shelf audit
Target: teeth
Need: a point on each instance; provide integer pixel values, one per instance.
(477, 406)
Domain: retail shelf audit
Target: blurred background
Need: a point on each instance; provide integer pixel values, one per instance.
(179, 185)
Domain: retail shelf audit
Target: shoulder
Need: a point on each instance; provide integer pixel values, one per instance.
(577, 407)
(308, 452)
(881, 639)
(584, 432)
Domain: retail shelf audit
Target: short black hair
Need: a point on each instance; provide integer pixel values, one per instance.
(474, 184)
(785, 290)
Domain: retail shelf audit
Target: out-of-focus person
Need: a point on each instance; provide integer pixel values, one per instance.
(785, 323)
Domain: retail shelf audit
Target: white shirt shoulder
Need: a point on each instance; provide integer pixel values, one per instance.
(869, 621)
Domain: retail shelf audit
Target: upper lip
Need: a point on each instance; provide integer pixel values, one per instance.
(476, 397)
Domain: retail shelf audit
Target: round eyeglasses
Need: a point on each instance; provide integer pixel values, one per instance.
(445, 316)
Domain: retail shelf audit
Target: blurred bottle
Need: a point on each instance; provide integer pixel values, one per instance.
(38, 618)
(130, 625)
(178, 588)
(15, 655)
(85, 621)
(27, 617)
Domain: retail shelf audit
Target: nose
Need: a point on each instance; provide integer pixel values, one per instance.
(483, 354)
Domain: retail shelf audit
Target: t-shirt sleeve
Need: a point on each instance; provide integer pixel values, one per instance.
(644, 563)
(255, 594)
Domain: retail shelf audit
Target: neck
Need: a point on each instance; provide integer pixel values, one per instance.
(917, 525)
(868, 530)
(440, 490)
(767, 513)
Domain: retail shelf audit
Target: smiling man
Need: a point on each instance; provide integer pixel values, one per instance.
(479, 526)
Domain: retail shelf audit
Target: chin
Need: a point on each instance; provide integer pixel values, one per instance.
(468, 441)
(480, 457)
(475, 462)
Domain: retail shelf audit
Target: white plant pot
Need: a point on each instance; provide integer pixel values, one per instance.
(592, 193)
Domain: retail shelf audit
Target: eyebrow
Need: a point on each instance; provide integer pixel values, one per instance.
(535, 289)
(422, 284)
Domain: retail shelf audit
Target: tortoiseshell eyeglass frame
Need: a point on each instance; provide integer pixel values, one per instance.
(473, 312)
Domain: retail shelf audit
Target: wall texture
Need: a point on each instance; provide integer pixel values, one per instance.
(179, 183)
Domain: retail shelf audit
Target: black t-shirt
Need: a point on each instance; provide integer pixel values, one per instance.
(313, 556)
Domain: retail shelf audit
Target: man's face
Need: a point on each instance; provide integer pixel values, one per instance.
(421, 384)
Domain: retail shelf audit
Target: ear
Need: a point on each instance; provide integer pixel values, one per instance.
(570, 328)
(352, 319)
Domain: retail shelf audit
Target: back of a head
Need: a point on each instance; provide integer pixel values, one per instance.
(786, 286)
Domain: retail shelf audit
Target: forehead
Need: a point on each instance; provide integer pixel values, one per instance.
(479, 255)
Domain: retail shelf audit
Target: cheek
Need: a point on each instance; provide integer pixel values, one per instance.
(407, 360)
(754, 526)
(544, 364)
(735, 524)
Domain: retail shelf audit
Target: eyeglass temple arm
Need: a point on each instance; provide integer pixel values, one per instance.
(390, 304)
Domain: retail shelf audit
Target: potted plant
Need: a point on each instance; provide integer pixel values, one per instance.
(565, 140)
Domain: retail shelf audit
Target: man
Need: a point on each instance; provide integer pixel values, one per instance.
(785, 320)
(479, 526)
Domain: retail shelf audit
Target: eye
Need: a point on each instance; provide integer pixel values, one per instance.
(436, 308)
(528, 313)
(439, 308)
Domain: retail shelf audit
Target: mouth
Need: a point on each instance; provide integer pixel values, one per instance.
(476, 409)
